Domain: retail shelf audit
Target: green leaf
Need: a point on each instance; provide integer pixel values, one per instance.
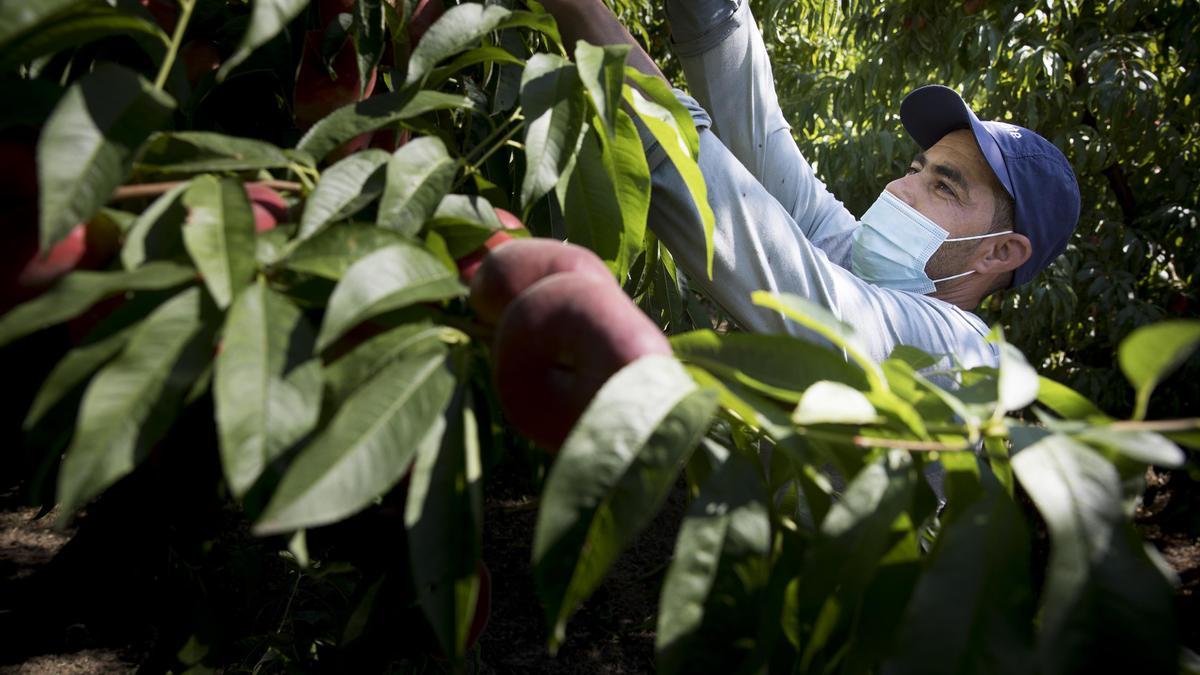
(853, 539)
(192, 152)
(157, 233)
(345, 375)
(540, 21)
(611, 476)
(460, 27)
(1140, 446)
(1105, 606)
(981, 560)
(332, 251)
(344, 189)
(705, 605)
(370, 36)
(374, 113)
(73, 370)
(367, 447)
(419, 174)
(18, 17)
(88, 143)
(1017, 382)
(625, 160)
(266, 384)
(78, 291)
(444, 519)
(219, 235)
(75, 29)
(390, 278)
(659, 93)
(485, 54)
(464, 222)
(822, 322)
(673, 128)
(133, 400)
(1068, 403)
(590, 205)
(1151, 353)
(915, 358)
(602, 71)
(829, 402)
(555, 113)
(268, 19)
(780, 366)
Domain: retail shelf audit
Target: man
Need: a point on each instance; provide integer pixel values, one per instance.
(985, 206)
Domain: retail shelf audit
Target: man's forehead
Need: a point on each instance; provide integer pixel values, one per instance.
(959, 150)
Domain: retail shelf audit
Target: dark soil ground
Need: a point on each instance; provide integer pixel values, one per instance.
(612, 633)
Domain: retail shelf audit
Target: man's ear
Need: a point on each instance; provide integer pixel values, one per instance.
(1002, 254)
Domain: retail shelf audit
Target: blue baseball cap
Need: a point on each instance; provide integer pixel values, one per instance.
(1036, 173)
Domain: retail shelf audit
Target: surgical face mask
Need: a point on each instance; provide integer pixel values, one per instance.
(895, 241)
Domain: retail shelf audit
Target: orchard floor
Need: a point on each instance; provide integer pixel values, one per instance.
(612, 633)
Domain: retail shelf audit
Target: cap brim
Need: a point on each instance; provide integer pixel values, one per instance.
(932, 111)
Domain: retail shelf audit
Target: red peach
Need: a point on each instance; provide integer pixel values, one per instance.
(508, 270)
(558, 343)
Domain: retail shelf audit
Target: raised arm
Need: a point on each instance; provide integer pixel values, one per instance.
(593, 22)
(728, 71)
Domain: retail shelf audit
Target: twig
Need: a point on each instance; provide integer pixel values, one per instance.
(900, 444)
(139, 191)
(1187, 424)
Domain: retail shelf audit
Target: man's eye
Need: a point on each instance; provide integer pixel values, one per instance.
(911, 170)
(941, 185)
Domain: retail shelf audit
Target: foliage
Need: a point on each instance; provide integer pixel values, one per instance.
(329, 364)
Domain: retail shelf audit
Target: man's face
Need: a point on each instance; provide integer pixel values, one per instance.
(952, 185)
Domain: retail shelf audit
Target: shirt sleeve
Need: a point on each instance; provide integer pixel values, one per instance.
(758, 246)
(729, 73)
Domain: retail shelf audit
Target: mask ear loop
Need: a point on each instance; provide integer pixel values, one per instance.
(980, 236)
(963, 274)
(953, 276)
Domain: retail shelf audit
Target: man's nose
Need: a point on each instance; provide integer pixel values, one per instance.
(902, 188)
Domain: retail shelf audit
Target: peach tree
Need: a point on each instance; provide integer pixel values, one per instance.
(242, 231)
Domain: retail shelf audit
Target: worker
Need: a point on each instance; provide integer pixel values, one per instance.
(984, 206)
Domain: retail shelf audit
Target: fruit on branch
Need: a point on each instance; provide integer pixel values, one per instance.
(200, 57)
(269, 208)
(322, 88)
(508, 270)
(390, 140)
(469, 264)
(25, 270)
(45, 269)
(423, 16)
(28, 270)
(558, 343)
(165, 13)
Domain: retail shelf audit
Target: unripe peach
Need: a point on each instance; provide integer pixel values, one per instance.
(508, 270)
(558, 342)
